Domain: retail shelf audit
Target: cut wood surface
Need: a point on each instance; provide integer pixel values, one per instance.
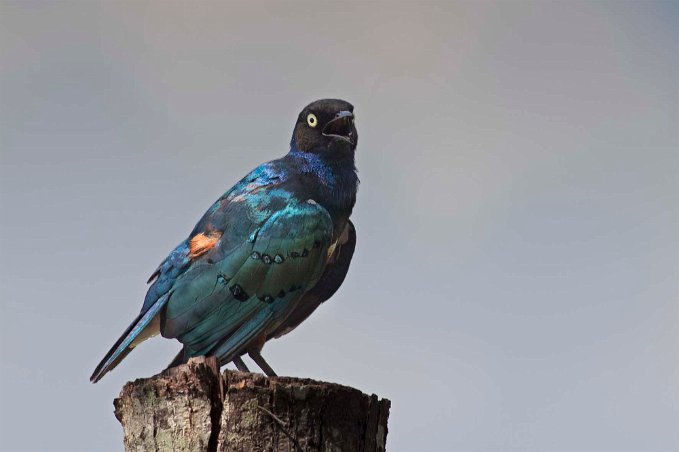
(193, 407)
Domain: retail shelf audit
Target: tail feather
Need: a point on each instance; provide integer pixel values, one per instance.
(141, 328)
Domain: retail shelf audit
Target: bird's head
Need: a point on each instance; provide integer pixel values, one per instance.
(326, 126)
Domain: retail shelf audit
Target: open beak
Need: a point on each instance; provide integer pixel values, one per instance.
(342, 126)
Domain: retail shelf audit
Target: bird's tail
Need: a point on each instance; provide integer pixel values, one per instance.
(146, 325)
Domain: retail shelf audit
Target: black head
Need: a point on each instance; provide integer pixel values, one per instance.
(326, 125)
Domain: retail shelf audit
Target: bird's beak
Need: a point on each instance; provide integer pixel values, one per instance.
(341, 126)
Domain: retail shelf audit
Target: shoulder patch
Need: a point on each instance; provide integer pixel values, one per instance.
(202, 243)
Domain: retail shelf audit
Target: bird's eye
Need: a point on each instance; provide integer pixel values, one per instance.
(311, 120)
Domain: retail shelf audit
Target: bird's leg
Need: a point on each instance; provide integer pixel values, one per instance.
(240, 365)
(256, 356)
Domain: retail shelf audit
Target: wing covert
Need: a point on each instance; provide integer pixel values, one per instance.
(251, 288)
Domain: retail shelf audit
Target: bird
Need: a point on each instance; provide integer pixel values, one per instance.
(264, 256)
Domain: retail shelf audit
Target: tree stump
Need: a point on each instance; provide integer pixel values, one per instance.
(193, 407)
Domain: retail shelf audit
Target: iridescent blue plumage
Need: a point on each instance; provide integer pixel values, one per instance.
(264, 255)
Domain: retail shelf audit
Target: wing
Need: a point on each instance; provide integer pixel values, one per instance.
(337, 266)
(239, 211)
(239, 293)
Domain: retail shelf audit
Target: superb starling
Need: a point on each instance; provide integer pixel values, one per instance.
(264, 256)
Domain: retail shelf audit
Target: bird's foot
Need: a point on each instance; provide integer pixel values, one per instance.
(240, 365)
(259, 360)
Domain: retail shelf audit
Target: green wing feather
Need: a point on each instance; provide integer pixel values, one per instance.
(218, 307)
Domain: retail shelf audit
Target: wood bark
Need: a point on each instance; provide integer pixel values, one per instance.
(193, 407)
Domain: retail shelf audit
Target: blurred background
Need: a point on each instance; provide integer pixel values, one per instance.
(515, 281)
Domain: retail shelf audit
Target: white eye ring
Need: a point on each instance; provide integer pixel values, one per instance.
(311, 120)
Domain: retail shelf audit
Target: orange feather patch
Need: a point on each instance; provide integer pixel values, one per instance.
(202, 243)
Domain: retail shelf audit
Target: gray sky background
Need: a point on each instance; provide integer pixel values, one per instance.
(515, 282)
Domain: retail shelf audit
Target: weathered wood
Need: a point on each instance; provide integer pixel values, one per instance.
(194, 408)
(175, 410)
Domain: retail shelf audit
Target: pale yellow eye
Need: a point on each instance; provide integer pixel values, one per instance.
(311, 120)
